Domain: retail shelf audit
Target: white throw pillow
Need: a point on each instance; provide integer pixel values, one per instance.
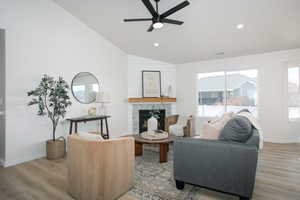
(176, 130)
(90, 136)
(212, 130)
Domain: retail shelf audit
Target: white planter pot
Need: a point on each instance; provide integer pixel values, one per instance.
(152, 124)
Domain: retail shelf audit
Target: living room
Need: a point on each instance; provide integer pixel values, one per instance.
(179, 71)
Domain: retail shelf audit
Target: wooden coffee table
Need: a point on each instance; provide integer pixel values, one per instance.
(163, 146)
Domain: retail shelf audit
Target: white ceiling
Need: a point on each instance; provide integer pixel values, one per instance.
(209, 28)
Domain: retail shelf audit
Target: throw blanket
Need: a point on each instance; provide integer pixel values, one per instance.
(256, 124)
(177, 129)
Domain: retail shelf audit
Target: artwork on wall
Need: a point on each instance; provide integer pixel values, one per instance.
(151, 83)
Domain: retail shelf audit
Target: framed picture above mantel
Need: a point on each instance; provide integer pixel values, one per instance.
(151, 83)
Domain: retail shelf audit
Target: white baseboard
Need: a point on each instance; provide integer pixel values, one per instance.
(9, 163)
(1, 162)
(282, 140)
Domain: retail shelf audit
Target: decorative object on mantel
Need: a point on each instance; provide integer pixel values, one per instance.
(103, 98)
(52, 100)
(145, 100)
(170, 91)
(85, 86)
(151, 83)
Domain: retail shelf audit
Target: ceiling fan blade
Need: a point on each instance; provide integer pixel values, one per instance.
(171, 21)
(150, 7)
(138, 20)
(175, 9)
(150, 29)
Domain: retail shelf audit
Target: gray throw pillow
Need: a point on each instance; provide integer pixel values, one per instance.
(238, 129)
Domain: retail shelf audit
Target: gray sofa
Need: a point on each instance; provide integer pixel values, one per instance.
(228, 167)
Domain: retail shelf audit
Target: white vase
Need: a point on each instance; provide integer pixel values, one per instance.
(152, 124)
(170, 92)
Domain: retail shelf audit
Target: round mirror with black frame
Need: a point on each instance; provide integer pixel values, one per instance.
(85, 87)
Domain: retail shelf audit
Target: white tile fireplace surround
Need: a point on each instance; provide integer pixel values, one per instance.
(134, 109)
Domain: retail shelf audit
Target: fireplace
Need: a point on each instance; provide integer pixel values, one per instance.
(144, 115)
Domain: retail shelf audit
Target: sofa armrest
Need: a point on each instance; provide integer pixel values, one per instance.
(224, 166)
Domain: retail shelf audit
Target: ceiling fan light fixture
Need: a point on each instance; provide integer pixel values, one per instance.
(240, 26)
(158, 20)
(158, 25)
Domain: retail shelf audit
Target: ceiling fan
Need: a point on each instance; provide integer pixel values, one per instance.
(157, 19)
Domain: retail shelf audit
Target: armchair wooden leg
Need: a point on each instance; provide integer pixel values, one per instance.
(179, 185)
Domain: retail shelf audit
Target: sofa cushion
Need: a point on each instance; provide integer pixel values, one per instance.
(238, 129)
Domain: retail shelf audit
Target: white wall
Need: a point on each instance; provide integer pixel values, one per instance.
(135, 67)
(41, 37)
(2, 94)
(272, 94)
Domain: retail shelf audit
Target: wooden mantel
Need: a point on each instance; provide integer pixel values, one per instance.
(145, 100)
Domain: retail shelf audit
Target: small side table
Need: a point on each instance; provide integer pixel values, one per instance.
(87, 118)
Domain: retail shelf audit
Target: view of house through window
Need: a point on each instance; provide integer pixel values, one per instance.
(293, 93)
(232, 91)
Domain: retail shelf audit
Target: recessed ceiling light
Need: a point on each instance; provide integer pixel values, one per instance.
(240, 26)
(156, 44)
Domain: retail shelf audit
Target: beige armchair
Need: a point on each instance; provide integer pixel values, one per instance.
(100, 170)
(172, 119)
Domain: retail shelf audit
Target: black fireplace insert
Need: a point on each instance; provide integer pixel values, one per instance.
(144, 115)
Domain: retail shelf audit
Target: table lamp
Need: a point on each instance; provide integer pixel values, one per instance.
(102, 98)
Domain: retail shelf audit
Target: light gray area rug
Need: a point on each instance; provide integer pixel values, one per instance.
(154, 181)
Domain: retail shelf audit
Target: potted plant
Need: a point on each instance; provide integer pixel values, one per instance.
(52, 99)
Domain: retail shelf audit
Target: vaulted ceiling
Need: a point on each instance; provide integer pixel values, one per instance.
(209, 28)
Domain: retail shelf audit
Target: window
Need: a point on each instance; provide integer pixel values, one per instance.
(211, 89)
(293, 93)
(221, 92)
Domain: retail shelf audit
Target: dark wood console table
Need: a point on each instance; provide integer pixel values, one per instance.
(87, 118)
